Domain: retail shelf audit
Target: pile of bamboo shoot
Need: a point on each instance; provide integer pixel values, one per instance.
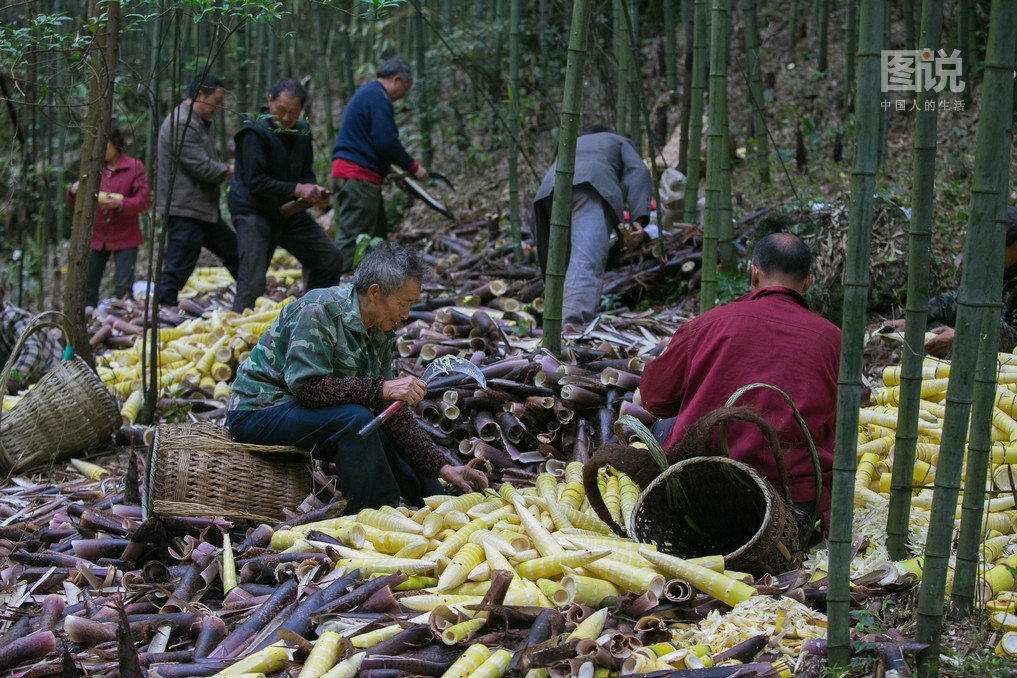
(876, 446)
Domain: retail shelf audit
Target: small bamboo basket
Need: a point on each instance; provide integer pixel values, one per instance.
(65, 412)
(706, 505)
(199, 470)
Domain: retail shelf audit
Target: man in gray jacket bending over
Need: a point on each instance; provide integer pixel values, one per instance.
(609, 173)
(192, 214)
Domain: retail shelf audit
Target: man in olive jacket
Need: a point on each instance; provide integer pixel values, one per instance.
(608, 174)
(185, 146)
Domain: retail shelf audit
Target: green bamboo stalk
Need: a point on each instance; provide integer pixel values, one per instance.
(994, 115)
(907, 12)
(670, 45)
(884, 111)
(686, 98)
(696, 104)
(634, 72)
(621, 53)
(856, 285)
(850, 48)
(546, 52)
(919, 239)
(756, 90)
(966, 46)
(792, 27)
(823, 16)
(348, 83)
(423, 108)
(513, 156)
(715, 152)
(989, 187)
(561, 204)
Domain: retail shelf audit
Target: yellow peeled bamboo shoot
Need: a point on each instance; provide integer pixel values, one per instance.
(322, 656)
(468, 661)
(721, 587)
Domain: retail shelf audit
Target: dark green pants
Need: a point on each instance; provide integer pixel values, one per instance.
(359, 208)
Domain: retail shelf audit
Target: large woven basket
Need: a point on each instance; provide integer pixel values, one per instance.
(198, 470)
(712, 505)
(65, 412)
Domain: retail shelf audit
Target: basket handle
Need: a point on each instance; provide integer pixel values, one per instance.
(779, 456)
(644, 434)
(42, 320)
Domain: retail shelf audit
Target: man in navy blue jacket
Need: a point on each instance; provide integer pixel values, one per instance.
(274, 166)
(366, 146)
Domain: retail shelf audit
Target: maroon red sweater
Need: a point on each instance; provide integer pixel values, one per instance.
(409, 439)
(768, 336)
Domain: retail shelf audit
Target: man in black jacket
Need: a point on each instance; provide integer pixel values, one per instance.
(274, 166)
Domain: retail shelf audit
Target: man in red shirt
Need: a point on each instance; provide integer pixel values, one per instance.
(768, 335)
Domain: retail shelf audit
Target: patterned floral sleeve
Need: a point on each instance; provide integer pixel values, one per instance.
(413, 445)
(323, 391)
(410, 441)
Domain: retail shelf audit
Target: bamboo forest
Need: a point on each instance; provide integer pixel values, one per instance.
(530, 338)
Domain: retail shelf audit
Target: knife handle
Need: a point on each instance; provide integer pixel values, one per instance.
(373, 425)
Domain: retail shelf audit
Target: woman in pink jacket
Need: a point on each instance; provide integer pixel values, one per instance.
(123, 195)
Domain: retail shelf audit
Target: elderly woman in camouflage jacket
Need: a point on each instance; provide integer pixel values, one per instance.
(322, 371)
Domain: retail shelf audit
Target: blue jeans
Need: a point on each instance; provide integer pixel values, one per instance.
(370, 471)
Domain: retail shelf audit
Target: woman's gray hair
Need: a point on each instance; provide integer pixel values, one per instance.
(389, 266)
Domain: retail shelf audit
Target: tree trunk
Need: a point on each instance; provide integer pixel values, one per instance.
(756, 91)
(696, 105)
(423, 108)
(513, 156)
(715, 151)
(922, 202)
(93, 152)
(856, 285)
(986, 233)
(561, 205)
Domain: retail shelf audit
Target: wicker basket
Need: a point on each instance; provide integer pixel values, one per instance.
(719, 505)
(65, 412)
(198, 470)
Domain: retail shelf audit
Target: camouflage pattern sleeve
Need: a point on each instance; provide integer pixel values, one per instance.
(315, 340)
(943, 309)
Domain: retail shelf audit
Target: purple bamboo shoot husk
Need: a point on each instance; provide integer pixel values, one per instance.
(360, 594)
(242, 635)
(415, 636)
(259, 537)
(127, 651)
(189, 584)
(382, 601)
(213, 630)
(411, 665)
(19, 630)
(50, 611)
(299, 621)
